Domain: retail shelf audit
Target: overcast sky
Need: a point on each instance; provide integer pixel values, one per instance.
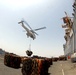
(37, 13)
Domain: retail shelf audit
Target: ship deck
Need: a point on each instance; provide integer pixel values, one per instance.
(58, 68)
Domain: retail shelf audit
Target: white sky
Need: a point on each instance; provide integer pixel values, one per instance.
(37, 13)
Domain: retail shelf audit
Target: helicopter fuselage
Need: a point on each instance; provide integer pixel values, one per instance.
(32, 35)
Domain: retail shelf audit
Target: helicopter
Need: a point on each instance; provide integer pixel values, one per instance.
(30, 32)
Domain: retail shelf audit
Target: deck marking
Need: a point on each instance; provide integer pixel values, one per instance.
(61, 64)
(62, 70)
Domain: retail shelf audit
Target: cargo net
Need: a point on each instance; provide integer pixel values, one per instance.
(30, 66)
(35, 66)
(12, 60)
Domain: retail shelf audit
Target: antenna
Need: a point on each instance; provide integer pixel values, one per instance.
(66, 14)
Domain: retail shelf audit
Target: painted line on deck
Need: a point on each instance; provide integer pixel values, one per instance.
(62, 69)
(61, 64)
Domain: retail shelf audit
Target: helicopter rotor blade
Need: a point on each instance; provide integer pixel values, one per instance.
(26, 23)
(29, 26)
(34, 32)
(20, 22)
(39, 28)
